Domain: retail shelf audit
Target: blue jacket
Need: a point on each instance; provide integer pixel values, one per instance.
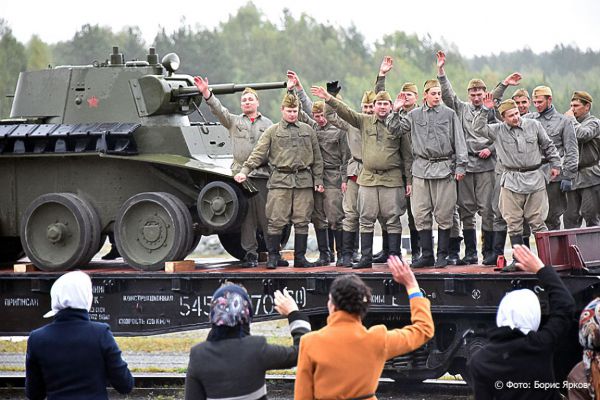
(74, 358)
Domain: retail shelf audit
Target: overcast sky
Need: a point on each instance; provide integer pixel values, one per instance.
(476, 27)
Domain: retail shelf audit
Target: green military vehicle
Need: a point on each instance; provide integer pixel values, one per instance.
(109, 147)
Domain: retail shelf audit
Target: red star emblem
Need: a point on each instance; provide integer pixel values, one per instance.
(93, 102)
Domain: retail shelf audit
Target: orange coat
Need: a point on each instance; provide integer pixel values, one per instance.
(344, 360)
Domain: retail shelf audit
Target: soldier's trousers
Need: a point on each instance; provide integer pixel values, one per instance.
(499, 222)
(350, 206)
(387, 202)
(557, 205)
(255, 217)
(583, 204)
(289, 205)
(433, 198)
(532, 207)
(475, 193)
(328, 210)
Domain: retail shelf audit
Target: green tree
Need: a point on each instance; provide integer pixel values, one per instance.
(38, 54)
(14, 61)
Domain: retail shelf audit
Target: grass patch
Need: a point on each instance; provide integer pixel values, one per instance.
(148, 344)
(8, 346)
(14, 368)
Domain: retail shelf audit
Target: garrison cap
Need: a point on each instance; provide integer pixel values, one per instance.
(431, 83)
(250, 90)
(383, 96)
(368, 97)
(410, 87)
(476, 84)
(520, 93)
(582, 96)
(506, 105)
(318, 107)
(542, 91)
(290, 100)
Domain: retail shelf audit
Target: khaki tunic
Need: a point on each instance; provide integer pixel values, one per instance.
(521, 147)
(292, 150)
(385, 157)
(244, 135)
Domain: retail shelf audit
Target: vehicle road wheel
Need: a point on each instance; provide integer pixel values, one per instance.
(150, 230)
(58, 233)
(11, 250)
(221, 206)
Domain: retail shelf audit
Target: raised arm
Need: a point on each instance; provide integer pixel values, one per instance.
(386, 66)
(480, 125)
(411, 337)
(449, 97)
(343, 111)
(219, 111)
(398, 124)
(562, 304)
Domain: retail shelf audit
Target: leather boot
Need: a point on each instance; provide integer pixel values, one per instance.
(487, 248)
(395, 244)
(355, 249)
(331, 239)
(470, 257)
(347, 248)
(382, 256)
(415, 248)
(300, 261)
(323, 245)
(273, 242)
(499, 243)
(512, 267)
(442, 248)
(366, 248)
(337, 234)
(526, 241)
(250, 261)
(426, 259)
(453, 251)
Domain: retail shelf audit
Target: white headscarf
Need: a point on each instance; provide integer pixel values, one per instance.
(520, 309)
(72, 290)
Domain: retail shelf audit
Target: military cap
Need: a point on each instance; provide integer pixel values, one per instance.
(318, 107)
(383, 96)
(431, 83)
(250, 90)
(290, 100)
(410, 87)
(506, 105)
(582, 96)
(368, 97)
(476, 83)
(542, 91)
(520, 93)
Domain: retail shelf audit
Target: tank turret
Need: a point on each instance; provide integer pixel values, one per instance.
(109, 148)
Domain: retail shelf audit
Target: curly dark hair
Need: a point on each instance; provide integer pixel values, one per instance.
(351, 294)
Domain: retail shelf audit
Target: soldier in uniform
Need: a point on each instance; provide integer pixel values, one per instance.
(476, 189)
(584, 200)
(350, 224)
(244, 130)
(292, 150)
(521, 98)
(440, 159)
(560, 129)
(381, 191)
(521, 144)
(412, 96)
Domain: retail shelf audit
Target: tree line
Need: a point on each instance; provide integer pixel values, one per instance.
(250, 48)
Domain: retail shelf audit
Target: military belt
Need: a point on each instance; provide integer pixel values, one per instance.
(332, 167)
(290, 170)
(524, 169)
(357, 159)
(436, 159)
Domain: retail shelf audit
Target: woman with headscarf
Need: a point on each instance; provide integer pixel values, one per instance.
(344, 360)
(73, 357)
(517, 361)
(231, 363)
(584, 378)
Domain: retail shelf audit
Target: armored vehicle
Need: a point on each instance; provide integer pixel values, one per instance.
(109, 147)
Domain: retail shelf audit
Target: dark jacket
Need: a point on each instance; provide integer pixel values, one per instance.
(74, 358)
(512, 357)
(236, 367)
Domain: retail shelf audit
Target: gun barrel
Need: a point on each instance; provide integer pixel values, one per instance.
(228, 88)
